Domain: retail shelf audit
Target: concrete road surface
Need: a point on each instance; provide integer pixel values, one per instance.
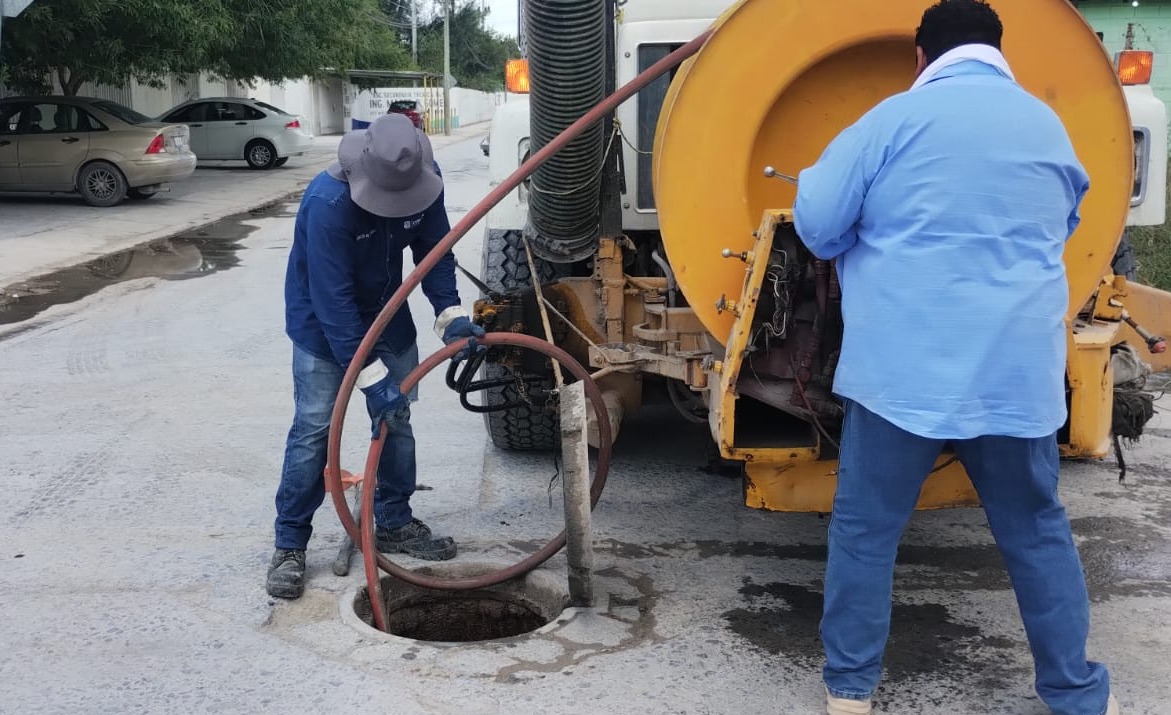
(142, 429)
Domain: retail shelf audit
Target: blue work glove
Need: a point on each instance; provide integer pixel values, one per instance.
(384, 402)
(454, 325)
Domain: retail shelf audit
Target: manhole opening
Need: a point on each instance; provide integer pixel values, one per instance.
(505, 611)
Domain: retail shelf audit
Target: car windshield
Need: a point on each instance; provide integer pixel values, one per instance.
(402, 104)
(269, 107)
(125, 114)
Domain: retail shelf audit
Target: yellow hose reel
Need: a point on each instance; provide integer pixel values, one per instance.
(780, 78)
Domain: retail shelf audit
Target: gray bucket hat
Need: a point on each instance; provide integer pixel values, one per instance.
(390, 167)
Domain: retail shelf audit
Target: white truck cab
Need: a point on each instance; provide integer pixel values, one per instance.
(1148, 116)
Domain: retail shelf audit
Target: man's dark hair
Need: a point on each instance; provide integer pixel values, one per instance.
(950, 23)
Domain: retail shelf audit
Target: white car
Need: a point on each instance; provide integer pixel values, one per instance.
(230, 129)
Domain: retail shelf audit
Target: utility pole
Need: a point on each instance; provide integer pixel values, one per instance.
(414, 31)
(447, 8)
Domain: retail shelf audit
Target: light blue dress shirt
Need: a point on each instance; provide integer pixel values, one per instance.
(947, 208)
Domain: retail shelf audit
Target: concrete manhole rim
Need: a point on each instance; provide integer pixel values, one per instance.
(540, 578)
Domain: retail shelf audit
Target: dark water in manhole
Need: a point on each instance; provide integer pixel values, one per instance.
(196, 253)
(458, 618)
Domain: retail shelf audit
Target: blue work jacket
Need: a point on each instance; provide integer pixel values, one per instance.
(948, 208)
(345, 265)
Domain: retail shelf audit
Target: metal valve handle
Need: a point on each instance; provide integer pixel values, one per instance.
(771, 173)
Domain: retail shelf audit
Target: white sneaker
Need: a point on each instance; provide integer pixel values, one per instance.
(1112, 706)
(845, 706)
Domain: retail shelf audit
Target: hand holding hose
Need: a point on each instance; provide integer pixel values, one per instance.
(384, 401)
(454, 325)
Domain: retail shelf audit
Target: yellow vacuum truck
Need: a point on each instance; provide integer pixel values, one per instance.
(662, 240)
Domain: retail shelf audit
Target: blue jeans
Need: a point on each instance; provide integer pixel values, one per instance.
(302, 490)
(881, 471)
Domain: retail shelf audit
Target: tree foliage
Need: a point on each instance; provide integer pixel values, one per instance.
(107, 41)
(280, 39)
(478, 54)
(111, 41)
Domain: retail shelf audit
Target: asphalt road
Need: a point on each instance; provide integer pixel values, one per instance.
(142, 429)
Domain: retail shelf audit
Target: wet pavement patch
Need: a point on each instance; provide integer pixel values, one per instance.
(783, 620)
(1123, 557)
(196, 253)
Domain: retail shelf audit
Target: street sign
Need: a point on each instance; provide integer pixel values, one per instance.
(12, 8)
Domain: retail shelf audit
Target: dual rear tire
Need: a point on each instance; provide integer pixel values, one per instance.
(528, 428)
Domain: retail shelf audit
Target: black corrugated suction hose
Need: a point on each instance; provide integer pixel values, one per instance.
(567, 66)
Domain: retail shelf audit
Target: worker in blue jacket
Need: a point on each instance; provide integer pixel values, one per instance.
(947, 209)
(383, 196)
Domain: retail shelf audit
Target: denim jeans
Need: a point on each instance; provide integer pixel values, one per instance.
(302, 489)
(881, 471)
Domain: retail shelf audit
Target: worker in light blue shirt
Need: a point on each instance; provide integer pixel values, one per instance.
(947, 209)
(356, 220)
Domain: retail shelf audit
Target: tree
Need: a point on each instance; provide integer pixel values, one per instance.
(111, 41)
(280, 39)
(106, 41)
(478, 54)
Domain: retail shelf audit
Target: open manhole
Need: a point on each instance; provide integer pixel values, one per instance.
(508, 610)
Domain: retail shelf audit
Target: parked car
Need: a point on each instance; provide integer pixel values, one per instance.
(230, 129)
(408, 107)
(94, 147)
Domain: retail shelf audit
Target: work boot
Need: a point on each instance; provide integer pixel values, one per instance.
(845, 706)
(286, 573)
(414, 539)
(1112, 706)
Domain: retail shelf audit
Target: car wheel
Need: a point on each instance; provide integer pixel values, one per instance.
(141, 194)
(281, 161)
(101, 184)
(260, 154)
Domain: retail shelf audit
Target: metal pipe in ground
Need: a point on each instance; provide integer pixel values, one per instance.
(575, 486)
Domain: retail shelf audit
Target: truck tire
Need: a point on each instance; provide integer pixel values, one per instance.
(1124, 264)
(505, 268)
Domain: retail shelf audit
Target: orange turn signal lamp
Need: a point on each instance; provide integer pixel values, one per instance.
(516, 76)
(1134, 66)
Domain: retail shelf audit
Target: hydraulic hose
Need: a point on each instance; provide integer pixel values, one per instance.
(362, 532)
